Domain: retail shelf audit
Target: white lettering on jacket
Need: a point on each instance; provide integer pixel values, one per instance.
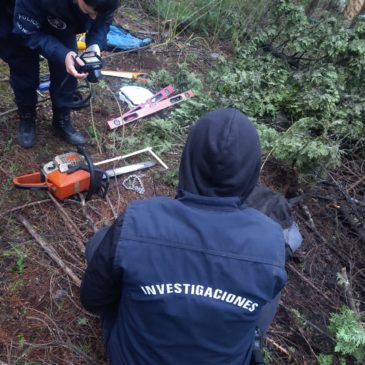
(200, 290)
(24, 19)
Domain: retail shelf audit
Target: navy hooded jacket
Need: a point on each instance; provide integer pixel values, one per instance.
(187, 277)
(6, 17)
(42, 23)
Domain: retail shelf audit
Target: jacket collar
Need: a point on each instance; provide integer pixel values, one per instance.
(209, 202)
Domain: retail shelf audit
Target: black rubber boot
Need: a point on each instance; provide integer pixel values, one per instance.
(64, 129)
(26, 128)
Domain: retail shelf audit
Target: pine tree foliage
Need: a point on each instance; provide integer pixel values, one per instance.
(299, 79)
(349, 329)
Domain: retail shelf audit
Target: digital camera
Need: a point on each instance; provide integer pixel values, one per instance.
(92, 65)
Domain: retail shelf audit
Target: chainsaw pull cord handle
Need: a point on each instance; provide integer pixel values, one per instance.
(93, 186)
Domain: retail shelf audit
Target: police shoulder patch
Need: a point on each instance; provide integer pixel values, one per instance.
(56, 22)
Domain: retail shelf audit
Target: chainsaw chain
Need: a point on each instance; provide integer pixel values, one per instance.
(134, 183)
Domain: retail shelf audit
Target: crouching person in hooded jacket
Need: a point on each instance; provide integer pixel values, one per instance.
(186, 280)
(29, 28)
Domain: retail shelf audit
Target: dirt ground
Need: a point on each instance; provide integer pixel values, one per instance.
(41, 319)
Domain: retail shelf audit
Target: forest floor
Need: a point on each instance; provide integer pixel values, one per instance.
(41, 319)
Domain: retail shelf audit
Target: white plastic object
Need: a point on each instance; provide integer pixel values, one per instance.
(134, 95)
(293, 237)
(93, 48)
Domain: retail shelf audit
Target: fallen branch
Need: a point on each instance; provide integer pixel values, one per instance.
(306, 340)
(147, 32)
(118, 53)
(307, 322)
(70, 223)
(348, 291)
(86, 214)
(5, 172)
(50, 251)
(352, 222)
(20, 207)
(291, 267)
(356, 183)
(353, 200)
(347, 214)
(115, 215)
(88, 218)
(311, 223)
(277, 346)
(8, 112)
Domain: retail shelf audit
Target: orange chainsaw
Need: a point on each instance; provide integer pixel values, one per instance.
(72, 173)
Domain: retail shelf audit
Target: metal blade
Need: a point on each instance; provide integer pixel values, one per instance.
(130, 168)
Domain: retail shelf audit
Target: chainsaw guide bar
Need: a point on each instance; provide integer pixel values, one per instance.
(72, 173)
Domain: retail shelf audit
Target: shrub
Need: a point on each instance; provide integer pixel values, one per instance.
(349, 329)
(299, 79)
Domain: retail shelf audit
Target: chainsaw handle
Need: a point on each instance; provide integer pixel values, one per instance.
(92, 186)
(31, 182)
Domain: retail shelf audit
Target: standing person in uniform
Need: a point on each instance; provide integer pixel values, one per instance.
(188, 280)
(29, 28)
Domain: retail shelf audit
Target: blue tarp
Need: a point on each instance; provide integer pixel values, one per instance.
(121, 39)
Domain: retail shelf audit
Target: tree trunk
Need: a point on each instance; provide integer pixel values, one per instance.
(353, 8)
(311, 7)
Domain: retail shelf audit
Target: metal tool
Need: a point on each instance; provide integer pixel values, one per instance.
(137, 76)
(149, 108)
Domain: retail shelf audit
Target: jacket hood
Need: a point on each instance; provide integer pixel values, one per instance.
(222, 156)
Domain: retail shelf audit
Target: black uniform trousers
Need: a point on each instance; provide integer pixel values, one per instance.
(24, 73)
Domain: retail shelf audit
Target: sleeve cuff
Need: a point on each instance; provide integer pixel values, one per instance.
(59, 54)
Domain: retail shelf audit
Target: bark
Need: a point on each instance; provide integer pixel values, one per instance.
(353, 8)
(312, 7)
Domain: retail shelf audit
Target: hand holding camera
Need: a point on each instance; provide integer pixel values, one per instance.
(92, 65)
(86, 66)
